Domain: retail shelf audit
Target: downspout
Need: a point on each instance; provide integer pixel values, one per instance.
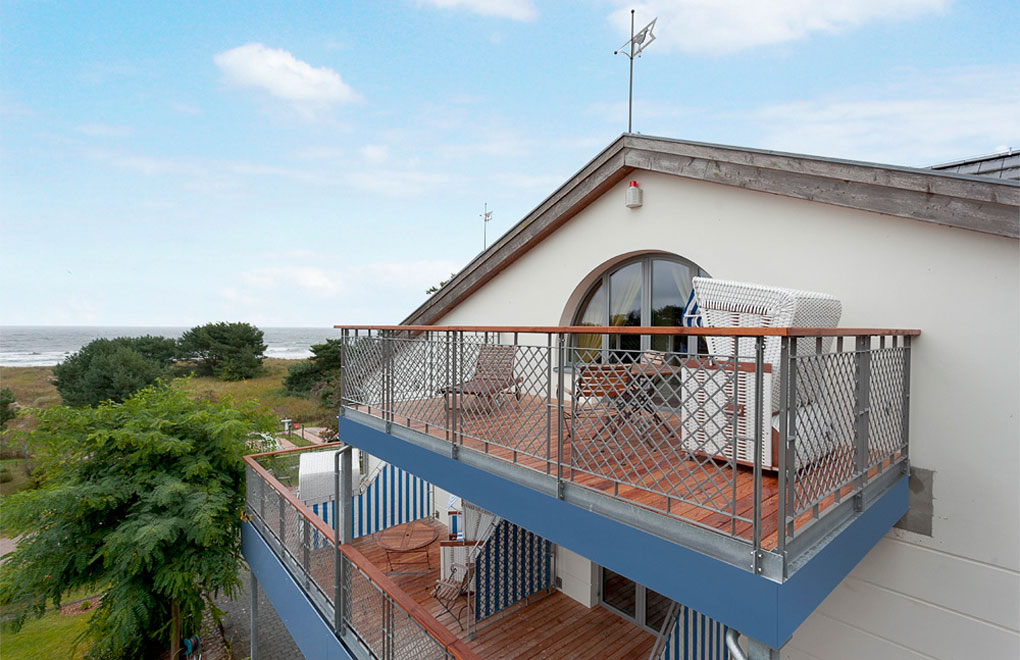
(733, 646)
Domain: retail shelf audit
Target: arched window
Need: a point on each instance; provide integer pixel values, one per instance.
(646, 291)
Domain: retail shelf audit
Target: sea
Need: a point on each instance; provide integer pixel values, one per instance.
(47, 345)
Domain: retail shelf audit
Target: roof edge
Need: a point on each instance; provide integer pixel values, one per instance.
(962, 201)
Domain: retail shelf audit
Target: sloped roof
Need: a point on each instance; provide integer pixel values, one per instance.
(959, 200)
(1003, 165)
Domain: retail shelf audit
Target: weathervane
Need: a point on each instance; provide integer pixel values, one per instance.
(486, 216)
(637, 42)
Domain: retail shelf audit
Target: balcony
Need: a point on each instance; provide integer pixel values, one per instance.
(386, 615)
(772, 453)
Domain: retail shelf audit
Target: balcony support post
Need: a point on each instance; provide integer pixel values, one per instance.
(759, 379)
(254, 610)
(862, 418)
(342, 529)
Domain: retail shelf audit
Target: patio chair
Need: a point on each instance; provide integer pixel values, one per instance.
(494, 374)
(745, 305)
(451, 591)
(596, 395)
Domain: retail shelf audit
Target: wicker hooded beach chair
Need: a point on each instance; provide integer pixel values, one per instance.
(724, 303)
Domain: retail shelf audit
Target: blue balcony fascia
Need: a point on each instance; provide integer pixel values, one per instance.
(767, 609)
(311, 633)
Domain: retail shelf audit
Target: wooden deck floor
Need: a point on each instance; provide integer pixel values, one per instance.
(657, 475)
(555, 626)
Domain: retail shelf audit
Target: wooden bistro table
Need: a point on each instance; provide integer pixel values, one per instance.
(402, 542)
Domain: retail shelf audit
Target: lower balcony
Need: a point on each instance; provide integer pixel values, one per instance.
(387, 608)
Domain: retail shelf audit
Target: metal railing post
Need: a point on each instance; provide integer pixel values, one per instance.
(283, 521)
(784, 411)
(791, 439)
(561, 362)
(905, 420)
(343, 373)
(862, 417)
(548, 401)
(759, 380)
(306, 550)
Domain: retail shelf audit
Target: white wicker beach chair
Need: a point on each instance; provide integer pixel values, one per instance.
(725, 303)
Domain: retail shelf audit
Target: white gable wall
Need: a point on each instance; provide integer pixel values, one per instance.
(961, 288)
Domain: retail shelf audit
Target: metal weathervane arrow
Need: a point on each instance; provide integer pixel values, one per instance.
(637, 43)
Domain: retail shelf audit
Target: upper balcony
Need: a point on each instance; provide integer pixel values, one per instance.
(764, 450)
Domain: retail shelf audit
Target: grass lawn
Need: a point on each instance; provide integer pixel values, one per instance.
(52, 636)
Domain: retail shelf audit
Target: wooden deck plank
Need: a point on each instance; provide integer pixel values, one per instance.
(555, 626)
(653, 473)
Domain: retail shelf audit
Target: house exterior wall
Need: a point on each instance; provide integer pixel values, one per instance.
(913, 595)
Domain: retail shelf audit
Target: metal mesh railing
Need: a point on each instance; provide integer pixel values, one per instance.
(728, 442)
(374, 615)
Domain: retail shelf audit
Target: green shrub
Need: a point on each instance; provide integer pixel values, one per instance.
(229, 351)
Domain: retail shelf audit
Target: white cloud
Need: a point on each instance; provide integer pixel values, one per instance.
(718, 27)
(922, 120)
(518, 10)
(105, 130)
(285, 77)
(345, 281)
(375, 153)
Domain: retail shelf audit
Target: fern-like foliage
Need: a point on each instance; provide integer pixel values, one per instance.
(142, 498)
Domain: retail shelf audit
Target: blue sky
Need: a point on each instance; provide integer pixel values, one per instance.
(304, 164)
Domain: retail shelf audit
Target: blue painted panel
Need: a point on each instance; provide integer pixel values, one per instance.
(312, 635)
(809, 586)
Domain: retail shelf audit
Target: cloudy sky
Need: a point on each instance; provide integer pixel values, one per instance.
(311, 163)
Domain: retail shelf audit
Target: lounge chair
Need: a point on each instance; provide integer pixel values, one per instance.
(494, 374)
(454, 592)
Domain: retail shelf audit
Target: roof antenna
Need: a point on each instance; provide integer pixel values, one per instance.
(486, 216)
(637, 43)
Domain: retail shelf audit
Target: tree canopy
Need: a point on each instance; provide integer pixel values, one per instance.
(7, 410)
(322, 369)
(144, 496)
(113, 369)
(229, 351)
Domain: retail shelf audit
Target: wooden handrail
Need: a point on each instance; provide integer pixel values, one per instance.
(436, 630)
(644, 330)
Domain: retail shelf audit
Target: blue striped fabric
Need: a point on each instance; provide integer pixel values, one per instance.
(695, 637)
(691, 315)
(394, 497)
(513, 564)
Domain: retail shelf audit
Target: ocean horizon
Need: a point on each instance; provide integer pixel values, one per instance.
(48, 345)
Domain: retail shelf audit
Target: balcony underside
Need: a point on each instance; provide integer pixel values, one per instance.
(673, 550)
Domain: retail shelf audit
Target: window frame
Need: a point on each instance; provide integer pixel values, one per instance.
(646, 261)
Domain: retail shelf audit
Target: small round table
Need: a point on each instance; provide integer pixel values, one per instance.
(401, 542)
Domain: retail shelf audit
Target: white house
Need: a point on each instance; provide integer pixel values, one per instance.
(900, 248)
